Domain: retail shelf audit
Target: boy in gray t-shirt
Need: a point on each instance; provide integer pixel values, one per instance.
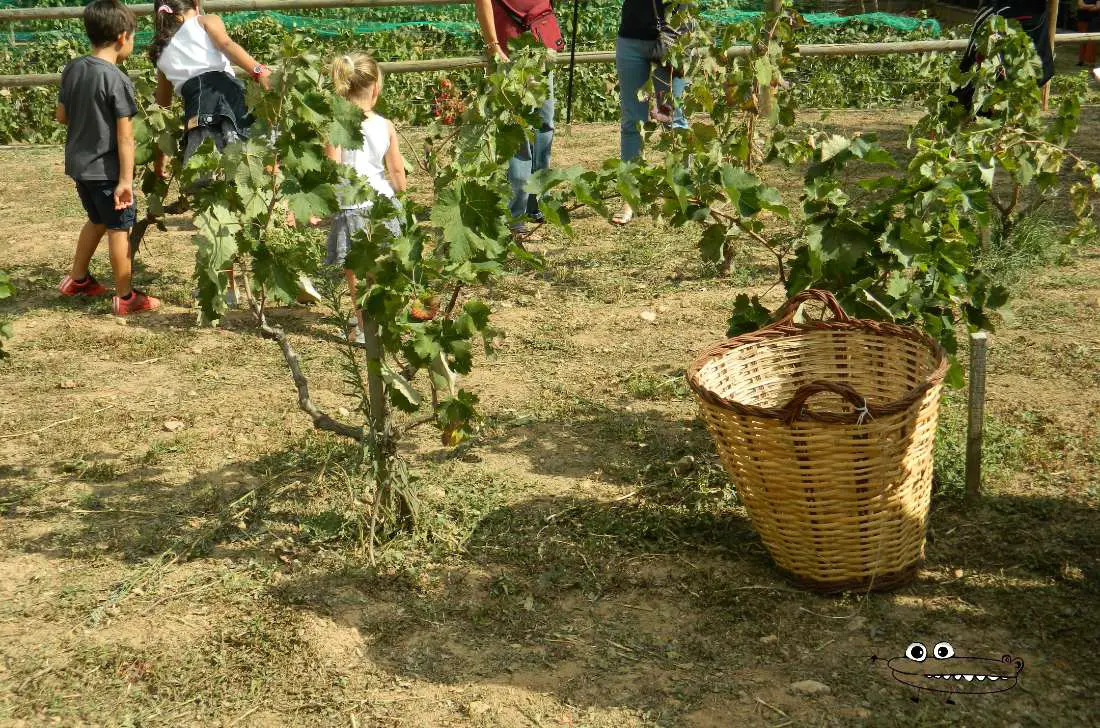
(97, 105)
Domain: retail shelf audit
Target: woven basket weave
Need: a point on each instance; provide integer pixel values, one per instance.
(827, 429)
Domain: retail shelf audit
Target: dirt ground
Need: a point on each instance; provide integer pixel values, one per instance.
(570, 570)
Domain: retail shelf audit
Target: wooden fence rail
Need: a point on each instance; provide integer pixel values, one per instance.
(807, 51)
(394, 67)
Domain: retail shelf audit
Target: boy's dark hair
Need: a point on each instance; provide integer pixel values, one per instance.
(106, 20)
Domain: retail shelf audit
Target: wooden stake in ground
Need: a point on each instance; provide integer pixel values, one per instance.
(1052, 30)
(976, 407)
(766, 93)
(572, 63)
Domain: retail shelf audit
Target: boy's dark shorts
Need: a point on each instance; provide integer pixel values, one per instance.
(98, 198)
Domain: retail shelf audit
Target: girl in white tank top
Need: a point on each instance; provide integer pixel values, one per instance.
(191, 53)
(188, 44)
(370, 160)
(358, 78)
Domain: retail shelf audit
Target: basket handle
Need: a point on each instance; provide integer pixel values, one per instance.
(786, 314)
(793, 409)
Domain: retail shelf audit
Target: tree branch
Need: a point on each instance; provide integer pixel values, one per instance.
(407, 144)
(321, 420)
(416, 423)
(453, 302)
(748, 231)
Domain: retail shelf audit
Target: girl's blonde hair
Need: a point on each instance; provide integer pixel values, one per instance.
(354, 74)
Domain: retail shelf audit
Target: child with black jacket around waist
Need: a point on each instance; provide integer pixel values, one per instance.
(194, 57)
(97, 105)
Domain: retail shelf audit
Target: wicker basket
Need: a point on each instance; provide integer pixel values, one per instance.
(827, 429)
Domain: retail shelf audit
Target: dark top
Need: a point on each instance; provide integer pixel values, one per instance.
(639, 21)
(1031, 15)
(95, 94)
(1017, 8)
(213, 96)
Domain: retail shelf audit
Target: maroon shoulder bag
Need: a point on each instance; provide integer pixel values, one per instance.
(513, 18)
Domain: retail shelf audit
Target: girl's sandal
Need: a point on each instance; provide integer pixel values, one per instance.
(623, 216)
(307, 293)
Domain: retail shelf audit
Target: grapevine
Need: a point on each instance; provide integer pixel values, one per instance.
(463, 240)
(901, 244)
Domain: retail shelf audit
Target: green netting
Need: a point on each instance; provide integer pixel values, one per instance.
(328, 26)
(825, 20)
(336, 26)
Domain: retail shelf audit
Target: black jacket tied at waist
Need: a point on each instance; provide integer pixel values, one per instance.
(213, 97)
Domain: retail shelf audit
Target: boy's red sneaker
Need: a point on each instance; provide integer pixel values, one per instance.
(87, 287)
(137, 302)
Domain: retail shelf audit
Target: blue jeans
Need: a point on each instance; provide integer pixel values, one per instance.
(528, 161)
(635, 66)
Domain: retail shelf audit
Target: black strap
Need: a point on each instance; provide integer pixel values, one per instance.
(658, 16)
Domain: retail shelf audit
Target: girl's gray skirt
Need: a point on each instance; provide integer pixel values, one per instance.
(345, 224)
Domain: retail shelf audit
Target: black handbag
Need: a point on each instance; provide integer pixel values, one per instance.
(666, 36)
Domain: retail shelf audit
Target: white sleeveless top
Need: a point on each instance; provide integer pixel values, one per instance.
(191, 53)
(370, 161)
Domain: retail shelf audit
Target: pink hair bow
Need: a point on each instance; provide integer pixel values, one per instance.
(164, 9)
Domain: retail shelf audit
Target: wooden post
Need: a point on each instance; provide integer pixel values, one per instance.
(976, 408)
(572, 64)
(1052, 30)
(766, 95)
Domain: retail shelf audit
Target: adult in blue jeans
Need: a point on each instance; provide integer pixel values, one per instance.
(636, 65)
(531, 157)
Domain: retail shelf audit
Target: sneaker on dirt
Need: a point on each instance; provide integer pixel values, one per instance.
(87, 287)
(139, 301)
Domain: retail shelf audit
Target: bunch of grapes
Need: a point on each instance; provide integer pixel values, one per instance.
(447, 106)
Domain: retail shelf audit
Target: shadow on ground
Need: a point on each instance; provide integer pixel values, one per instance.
(141, 512)
(36, 286)
(655, 602)
(649, 606)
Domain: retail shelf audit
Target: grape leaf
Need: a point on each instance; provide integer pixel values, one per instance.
(469, 215)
